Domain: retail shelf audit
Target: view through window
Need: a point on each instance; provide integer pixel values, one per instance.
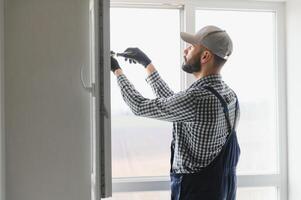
(140, 146)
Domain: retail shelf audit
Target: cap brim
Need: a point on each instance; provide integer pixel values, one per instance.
(189, 38)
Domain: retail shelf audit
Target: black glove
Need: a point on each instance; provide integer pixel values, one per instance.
(114, 64)
(135, 55)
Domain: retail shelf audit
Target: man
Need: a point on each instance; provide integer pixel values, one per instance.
(204, 148)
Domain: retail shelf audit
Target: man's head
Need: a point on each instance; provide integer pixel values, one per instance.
(209, 49)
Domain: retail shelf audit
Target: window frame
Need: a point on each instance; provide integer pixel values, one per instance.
(187, 22)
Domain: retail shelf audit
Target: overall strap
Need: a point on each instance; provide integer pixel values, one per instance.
(225, 106)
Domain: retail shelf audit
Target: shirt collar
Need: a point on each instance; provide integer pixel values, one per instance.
(207, 79)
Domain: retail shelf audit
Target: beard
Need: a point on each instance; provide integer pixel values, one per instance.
(195, 66)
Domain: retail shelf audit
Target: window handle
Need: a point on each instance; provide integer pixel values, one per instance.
(90, 89)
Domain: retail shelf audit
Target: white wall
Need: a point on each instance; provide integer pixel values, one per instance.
(294, 97)
(2, 139)
(47, 117)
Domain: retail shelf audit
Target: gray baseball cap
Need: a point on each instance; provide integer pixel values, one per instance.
(212, 37)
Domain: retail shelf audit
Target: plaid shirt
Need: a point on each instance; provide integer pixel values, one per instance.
(199, 123)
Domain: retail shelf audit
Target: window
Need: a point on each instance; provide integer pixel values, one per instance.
(140, 161)
(251, 72)
(140, 145)
(262, 193)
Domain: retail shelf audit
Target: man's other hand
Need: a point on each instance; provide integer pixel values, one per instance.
(114, 64)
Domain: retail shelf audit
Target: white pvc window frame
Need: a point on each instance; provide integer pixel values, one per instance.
(187, 17)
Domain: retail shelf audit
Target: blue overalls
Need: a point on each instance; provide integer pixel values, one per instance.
(217, 181)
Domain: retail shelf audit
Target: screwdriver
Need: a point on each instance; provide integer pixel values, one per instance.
(114, 54)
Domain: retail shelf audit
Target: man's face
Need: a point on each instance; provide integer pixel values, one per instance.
(192, 58)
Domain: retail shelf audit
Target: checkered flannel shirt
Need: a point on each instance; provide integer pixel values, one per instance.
(199, 123)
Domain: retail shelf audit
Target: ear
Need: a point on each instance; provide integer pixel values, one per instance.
(206, 56)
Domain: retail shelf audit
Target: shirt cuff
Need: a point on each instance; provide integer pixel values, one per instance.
(153, 77)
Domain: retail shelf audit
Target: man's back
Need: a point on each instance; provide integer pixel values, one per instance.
(197, 143)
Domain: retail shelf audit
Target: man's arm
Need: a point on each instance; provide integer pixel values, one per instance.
(158, 85)
(179, 107)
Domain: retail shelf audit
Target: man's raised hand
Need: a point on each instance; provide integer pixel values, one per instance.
(135, 55)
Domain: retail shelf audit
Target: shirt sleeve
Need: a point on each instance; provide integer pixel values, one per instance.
(158, 85)
(179, 107)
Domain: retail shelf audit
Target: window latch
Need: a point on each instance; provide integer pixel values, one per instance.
(90, 89)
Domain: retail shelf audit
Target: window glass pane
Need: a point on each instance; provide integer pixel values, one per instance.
(158, 195)
(250, 71)
(140, 146)
(256, 193)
